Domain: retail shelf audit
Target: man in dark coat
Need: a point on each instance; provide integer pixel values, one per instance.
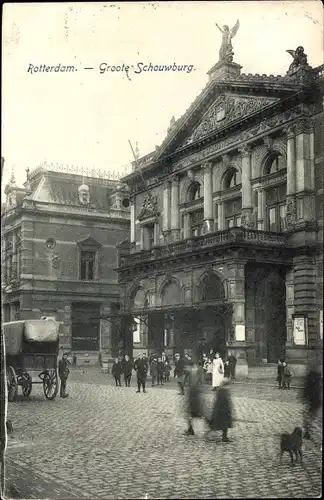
(63, 371)
(160, 371)
(222, 418)
(312, 395)
(127, 367)
(141, 367)
(179, 372)
(231, 366)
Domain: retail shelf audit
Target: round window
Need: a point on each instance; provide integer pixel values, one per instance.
(125, 202)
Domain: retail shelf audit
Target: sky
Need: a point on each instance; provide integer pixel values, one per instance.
(86, 118)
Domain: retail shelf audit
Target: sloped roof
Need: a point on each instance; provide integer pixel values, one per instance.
(63, 190)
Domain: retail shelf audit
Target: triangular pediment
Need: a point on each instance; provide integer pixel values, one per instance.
(89, 242)
(226, 109)
(221, 104)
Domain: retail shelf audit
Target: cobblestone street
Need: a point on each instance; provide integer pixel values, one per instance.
(108, 442)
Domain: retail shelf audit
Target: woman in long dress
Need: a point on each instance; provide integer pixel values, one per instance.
(218, 371)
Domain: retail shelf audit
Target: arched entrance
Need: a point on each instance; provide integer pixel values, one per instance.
(211, 323)
(270, 315)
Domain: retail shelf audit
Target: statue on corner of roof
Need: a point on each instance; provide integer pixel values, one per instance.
(226, 51)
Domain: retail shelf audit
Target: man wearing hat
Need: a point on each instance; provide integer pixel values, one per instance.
(63, 370)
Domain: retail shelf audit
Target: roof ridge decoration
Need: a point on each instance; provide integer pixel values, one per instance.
(45, 167)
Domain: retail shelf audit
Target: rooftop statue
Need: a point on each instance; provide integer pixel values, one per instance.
(226, 51)
(300, 59)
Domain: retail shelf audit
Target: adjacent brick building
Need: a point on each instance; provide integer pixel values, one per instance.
(227, 222)
(59, 236)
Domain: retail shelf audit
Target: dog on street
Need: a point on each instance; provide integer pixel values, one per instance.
(292, 443)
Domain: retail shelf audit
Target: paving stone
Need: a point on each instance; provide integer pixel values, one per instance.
(108, 442)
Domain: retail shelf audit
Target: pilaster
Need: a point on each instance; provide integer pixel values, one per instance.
(290, 309)
(132, 219)
(105, 342)
(261, 210)
(67, 328)
(236, 291)
(305, 171)
(175, 215)
(166, 206)
(305, 294)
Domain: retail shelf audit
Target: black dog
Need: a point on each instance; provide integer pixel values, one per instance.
(293, 444)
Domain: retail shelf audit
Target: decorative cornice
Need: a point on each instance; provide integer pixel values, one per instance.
(245, 150)
(304, 126)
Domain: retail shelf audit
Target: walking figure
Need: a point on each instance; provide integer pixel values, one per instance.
(179, 372)
(141, 367)
(194, 403)
(127, 367)
(116, 371)
(63, 369)
(221, 417)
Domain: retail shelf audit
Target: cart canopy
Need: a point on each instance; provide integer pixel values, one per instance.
(31, 331)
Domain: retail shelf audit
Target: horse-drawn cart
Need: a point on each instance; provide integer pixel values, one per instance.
(32, 348)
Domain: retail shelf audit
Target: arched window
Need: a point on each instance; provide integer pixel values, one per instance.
(194, 192)
(211, 288)
(233, 178)
(141, 299)
(171, 295)
(274, 164)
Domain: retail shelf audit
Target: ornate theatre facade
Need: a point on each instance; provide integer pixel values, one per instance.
(227, 221)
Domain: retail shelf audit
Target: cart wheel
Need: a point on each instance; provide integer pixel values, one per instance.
(27, 385)
(50, 384)
(12, 383)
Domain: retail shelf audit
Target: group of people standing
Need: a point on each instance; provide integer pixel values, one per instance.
(159, 366)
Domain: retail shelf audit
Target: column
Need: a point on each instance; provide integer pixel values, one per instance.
(186, 228)
(221, 221)
(261, 210)
(175, 215)
(67, 328)
(291, 178)
(289, 305)
(105, 343)
(305, 171)
(247, 210)
(166, 206)
(208, 197)
(132, 220)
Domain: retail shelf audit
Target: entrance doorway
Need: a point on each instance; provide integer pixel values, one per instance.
(270, 312)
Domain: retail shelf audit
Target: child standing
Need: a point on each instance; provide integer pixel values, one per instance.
(160, 371)
(286, 376)
(116, 371)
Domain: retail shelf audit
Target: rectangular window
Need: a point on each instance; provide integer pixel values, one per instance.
(87, 265)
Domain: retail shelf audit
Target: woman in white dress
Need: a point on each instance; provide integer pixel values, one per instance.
(218, 371)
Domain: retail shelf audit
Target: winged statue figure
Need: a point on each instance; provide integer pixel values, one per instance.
(299, 58)
(226, 51)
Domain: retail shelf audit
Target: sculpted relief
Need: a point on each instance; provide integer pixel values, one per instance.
(225, 110)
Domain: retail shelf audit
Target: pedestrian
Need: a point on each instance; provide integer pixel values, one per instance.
(286, 376)
(167, 371)
(127, 367)
(116, 371)
(154, 370)
(160, 371)
(232, 366)
(194, 403)
(141, 367)
(179, 372)
(222, 415)
(218, 371)
(312, 396)
(187, 368)
(166, 364)
(63, 370)
(280, 372)
(205, 367)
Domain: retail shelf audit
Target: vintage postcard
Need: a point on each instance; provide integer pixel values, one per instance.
(162, 250)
